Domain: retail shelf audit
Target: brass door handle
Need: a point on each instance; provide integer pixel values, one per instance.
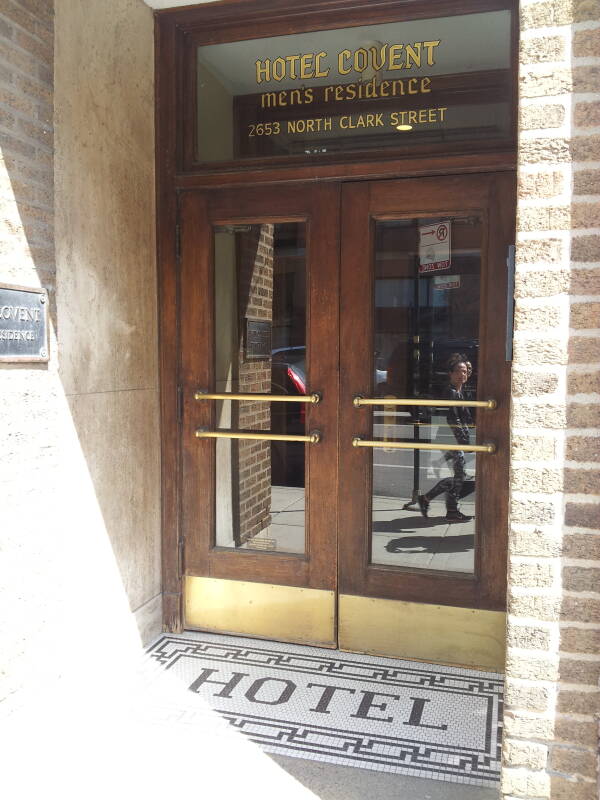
(314, 437)
(358, 441)
(359, 400)
(313, 397)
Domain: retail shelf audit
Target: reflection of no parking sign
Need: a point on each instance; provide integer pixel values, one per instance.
(434, 247)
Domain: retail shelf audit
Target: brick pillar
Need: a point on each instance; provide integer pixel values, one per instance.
(256, 302)
(553, 661)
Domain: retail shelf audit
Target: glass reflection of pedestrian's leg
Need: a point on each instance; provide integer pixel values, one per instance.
(457, 460)
(451, 487)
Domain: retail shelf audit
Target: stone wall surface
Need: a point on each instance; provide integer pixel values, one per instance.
(79, 485)
(105, 254)
(553, 660)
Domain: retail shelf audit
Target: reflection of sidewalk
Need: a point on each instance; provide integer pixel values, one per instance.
(400, 538)
(405, 538)
(286, 533)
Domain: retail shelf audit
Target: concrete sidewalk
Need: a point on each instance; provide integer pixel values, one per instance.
(333, 782)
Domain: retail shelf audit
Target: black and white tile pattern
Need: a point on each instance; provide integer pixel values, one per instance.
(371, 712)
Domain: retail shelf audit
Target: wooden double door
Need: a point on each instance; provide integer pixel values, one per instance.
(344, 436)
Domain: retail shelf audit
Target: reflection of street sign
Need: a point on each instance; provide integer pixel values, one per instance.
(434, 247)
(446, 281)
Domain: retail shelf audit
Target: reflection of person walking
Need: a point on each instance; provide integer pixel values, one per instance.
(458, 419)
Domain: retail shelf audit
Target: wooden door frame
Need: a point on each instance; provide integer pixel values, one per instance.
(171, 29)
(315, 205)
(361, 206)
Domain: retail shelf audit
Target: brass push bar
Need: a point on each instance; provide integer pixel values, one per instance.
(314, 397)
(314, 437)
(358, 441)
(359, 401)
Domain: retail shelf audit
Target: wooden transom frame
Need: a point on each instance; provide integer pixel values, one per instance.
(180, 32)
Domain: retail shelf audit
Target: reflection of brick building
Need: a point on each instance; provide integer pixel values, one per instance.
(255, 281)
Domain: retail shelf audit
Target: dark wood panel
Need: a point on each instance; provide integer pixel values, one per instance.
(172, 612)
(431, 195)
(257, 567)
(196, 314)
(494, 382)
(439, 589)
(323, 361)
(356, 349)
(357, 169)
(229, 20)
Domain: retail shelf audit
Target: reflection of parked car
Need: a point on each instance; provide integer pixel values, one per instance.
(288, 376)
(289, 368)
(293, 361)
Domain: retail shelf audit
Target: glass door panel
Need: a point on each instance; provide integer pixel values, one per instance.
(426, 301)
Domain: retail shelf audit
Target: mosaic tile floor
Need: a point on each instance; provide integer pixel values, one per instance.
(371, 712)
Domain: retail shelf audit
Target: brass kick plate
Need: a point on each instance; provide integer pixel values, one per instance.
(438, 634)
(285, 613)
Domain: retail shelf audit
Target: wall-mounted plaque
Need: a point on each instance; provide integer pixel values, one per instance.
(23, 324)
(258, 339)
